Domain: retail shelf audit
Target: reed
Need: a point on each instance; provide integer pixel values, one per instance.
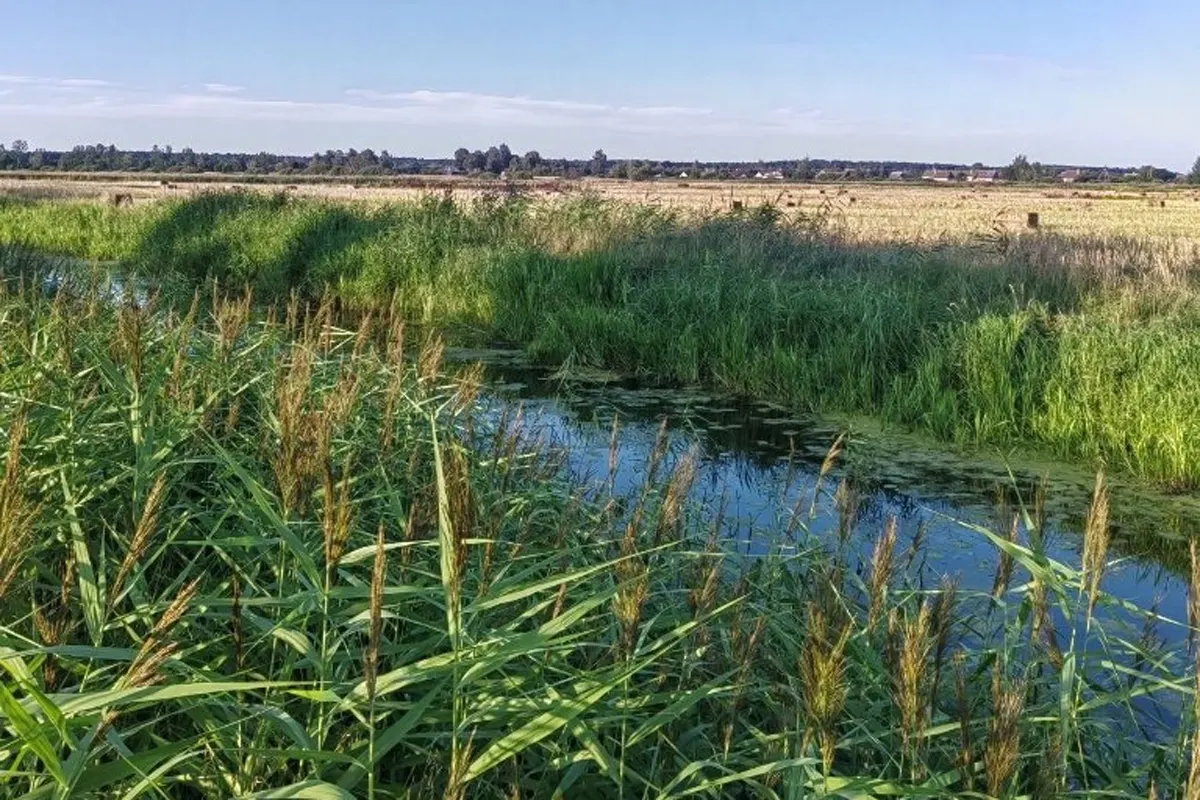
(198, 609)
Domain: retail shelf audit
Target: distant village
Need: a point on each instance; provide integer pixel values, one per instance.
(1072, 175)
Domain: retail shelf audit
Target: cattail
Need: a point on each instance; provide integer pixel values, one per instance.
(1004, 570)
(235, 622)
(678, 488)
(912, 680)
(881, 571)
(831, 457)
(1096, 535)
(17, 514)
(823, 680)
(1003, 748)
(375, 636)
(146, 527)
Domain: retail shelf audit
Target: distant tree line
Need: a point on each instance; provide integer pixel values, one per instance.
(500, 160)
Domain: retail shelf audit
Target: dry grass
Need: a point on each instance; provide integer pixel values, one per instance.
(866, 212)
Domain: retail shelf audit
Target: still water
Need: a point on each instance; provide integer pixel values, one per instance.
(761, 464)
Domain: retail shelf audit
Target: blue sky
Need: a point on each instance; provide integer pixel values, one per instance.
(1091, 81)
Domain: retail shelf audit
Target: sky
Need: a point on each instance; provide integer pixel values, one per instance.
(1098, 82)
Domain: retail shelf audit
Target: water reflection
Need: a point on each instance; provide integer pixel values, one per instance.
(762, 465)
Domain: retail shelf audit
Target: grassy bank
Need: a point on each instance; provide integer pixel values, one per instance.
(261, 556)
(1087, 349)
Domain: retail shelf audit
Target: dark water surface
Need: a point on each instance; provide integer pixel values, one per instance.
(761, 463)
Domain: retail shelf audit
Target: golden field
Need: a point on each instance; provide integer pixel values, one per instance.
(866, 212)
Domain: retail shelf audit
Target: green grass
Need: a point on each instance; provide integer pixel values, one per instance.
(1086, 350)
(217, 528)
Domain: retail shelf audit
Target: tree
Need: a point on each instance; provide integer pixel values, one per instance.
(599, 163)
(20, 146)
(494, 161)
(1194, 175)
(461, 156)
(532, 160)
(1020, 170)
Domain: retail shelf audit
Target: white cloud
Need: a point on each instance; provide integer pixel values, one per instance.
(1032, 66)
(417, 107)
(62, 83)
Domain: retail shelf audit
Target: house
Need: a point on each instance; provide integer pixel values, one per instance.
(1070, 175)
(832, 175)
(983, 176)
(937, 175)
(683, 174)
(896, 175)
(773, 175)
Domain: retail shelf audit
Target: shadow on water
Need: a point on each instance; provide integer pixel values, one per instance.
(761, 464)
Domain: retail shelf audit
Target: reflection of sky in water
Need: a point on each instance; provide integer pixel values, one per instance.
(745, 464)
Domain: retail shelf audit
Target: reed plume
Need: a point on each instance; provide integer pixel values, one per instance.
(17, 512)
(146, 527)
(1096, 535)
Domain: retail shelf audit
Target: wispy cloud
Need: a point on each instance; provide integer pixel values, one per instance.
(63, 98)
(1031, 66)
(62, 83)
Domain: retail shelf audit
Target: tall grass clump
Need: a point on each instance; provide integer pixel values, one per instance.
(1082, 348)
(294, 562)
